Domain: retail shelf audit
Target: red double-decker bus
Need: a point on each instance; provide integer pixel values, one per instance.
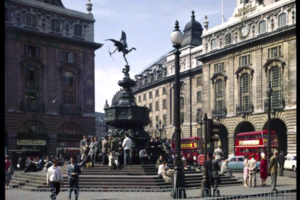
(189, 145)
(254, 143)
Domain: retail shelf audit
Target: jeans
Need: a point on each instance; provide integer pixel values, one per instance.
(73, 183)
(54, 188)
(273, 180)
(127, 156)
(103, 158)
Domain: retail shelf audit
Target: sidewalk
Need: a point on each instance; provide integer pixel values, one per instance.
(284, 183)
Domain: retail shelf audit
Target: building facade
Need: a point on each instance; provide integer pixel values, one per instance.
(49, 75)
(238, 59)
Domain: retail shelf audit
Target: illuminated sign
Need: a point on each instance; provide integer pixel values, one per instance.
(249, 142)
(31, 142)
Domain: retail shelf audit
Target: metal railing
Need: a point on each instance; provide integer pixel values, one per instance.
(139, 193)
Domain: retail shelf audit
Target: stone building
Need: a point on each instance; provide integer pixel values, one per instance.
(49, 75)
(236, 61)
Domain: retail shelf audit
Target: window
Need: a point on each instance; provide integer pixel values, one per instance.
(164, 90)
(144, 97)
(151, 78)
(158, 76)
(150, 95)
(181, 86)
(164, 119)
(157, 93)
(31, 20)
(69, 88)
(77, 30)
(213, 44)
(164, 104)
(199, 113)
(244, 60)
(181, 117)
(199, 81)
(274, 52)
(55, 25)
(275, 78)
(150, 107)
(219, 96)
(219, 67)
(181, 103)
(18, 18)
(31, 89)
(228, 38)
(199, 132)
(157, 106)
(32, 51)
(281, 20)
(244, 91)
(199, 96)
(140, 98)
(69, 57)
(67, 29)
(262, 28)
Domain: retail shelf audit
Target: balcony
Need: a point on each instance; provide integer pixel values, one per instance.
(219, 113)
(34, 106)
(244, 109)
(70, 109)
(275, 105)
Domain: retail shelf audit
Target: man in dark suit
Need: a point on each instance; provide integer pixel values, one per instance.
(212, 167)
(73, 171)
(280, 159)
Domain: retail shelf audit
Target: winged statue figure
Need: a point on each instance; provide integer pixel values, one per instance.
(121, 46)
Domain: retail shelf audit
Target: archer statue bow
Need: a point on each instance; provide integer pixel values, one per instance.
(121, 46)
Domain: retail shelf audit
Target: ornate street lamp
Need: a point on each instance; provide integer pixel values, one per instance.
(269, 94)
(160, 127)
(178, 190)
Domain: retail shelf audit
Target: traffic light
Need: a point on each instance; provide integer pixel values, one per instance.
(212, 129)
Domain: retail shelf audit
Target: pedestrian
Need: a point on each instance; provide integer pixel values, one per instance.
(212, 167)
(54, 179)
(218, 153)
(224, 168)
(96, 151)
(143, 155)
(280, 159)
(273, 169)
(82, 144)
(113, 161)
(263, 169)
(92, 150)
(246, 171)
(165, 173)
(252, 171)
(9, 171)
(73, 171)
(127, 143)
(105, 147)
(159, 161)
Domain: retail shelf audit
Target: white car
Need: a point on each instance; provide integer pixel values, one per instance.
(290, 162)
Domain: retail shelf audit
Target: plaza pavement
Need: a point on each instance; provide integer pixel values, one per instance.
(283, 183)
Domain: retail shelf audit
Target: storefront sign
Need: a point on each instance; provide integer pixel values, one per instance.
(248, 142)
(31, 142)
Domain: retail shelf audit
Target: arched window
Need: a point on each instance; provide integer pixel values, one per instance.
(67, 29)
(281, 20)
(245, 91)
(213, 44)
(55, 25)
(77, 30)
(69, 88)
(275, 79)
(262, 27)
(31, 86)
(228, 38)
(219, 96)
(31, 20)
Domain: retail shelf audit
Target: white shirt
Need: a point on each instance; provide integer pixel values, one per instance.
(161, 169)
(54, 174)
(127, 143)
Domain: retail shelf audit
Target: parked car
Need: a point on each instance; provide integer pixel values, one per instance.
(290, 162)
(237, 163)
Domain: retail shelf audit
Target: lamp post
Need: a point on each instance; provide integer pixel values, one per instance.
(160, 127)
(200, 121)
(269, 94)
(178, 191)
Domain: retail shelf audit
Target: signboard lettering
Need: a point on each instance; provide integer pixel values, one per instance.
(248, 142)
(31, 142)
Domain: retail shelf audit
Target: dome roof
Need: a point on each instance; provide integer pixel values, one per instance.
(193, 24)
(192, 32)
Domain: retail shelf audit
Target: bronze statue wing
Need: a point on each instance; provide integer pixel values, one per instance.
(123, 39)
(116, 43)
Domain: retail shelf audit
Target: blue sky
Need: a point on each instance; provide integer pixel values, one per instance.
(148, 25)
